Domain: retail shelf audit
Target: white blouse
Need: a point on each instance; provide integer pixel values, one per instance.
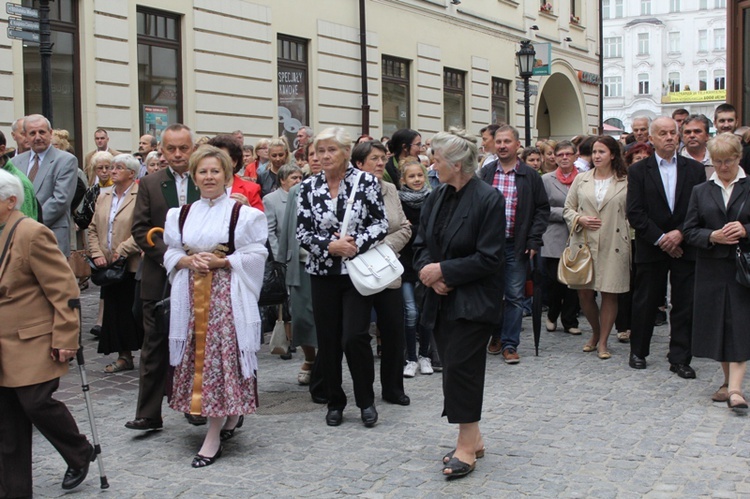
(206, 226)
(600, 189)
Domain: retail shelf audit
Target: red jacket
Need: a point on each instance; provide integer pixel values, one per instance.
(250, 190)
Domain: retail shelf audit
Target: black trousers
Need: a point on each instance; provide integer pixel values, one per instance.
(462, 346)
(154, 365)
(20, 408)
(562, 301)
(389, 307)
(342, 321)
(648, 295)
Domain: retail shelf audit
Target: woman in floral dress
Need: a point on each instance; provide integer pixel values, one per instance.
(216, 275)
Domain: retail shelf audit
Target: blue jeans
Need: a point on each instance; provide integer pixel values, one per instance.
(411, 325)
(515, 280)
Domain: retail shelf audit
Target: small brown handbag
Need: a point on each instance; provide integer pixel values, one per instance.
(576, 266)
(78, 264)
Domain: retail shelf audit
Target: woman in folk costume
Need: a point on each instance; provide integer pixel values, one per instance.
(215, 262)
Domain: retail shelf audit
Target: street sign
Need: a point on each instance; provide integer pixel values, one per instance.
(26, 36)
(18, 10)
(21, 24)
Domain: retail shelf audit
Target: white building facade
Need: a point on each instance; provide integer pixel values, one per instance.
(662, 55)
(269, 66)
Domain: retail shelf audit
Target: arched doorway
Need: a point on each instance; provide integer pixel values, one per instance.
(559, 111)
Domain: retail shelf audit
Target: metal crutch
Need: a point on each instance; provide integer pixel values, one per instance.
(76, 304)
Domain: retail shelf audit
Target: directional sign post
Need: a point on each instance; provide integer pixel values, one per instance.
(26, 28)
(18, 10)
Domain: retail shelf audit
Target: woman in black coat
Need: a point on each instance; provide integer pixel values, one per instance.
(717, 220)
(458, 254)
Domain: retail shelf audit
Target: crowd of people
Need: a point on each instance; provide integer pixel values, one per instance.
(661, 212)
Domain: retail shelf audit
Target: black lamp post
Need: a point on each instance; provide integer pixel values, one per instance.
(526, 58)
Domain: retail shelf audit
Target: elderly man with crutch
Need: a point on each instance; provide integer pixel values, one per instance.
(39, 335)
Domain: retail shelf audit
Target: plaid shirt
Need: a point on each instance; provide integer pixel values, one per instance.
(506, 183)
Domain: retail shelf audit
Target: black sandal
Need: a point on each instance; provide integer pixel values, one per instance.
(458, 469)
(203, 461)
(479, 454)
(225, 435)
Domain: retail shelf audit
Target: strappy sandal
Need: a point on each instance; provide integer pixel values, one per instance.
(116, 366)
(225, 435)
(458, 469)
(203, 461)
(740, 405)
(479, 455)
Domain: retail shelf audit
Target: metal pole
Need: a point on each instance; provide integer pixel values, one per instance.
(45, 51)
(526, 110)
(601, 70)
(363, 62)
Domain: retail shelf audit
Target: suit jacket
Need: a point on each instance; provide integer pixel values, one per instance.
(610, 245)
(289, 248)
(532, 210)
(54, 186)
(156, 195)
(35, 286)
(471, 255)
(556, 235)
(648, 210)
(122, 240)
(250, 190)
(706, 213)
(276, 206)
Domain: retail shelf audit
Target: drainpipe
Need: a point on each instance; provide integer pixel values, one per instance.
(363, 62)
(601, 70)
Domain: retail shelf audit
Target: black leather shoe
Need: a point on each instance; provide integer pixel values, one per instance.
(74, 477)
(370, 416)
(683, 371)
(637, 362)
(196, 420)
(334, 417)
(401, 399)
(144, 424)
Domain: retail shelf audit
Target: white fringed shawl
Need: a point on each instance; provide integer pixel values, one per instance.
(207, 225)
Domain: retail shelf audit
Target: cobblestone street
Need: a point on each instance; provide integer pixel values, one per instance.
(564, 424)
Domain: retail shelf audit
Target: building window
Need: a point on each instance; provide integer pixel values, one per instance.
(720, 40)
(702, 80)
(605, 9)
(720, 82)
(159, 70)
(674, 5)
(395, 94)
(619, 9)
(500, 100)
(65, 76)
(454, 98)
(575, 10)
(643, 84)
(674, 42)
(613, 47)
(720, 4)
(674, 82)
(645, 7)
(703, 4)
(613, 86)
(643, 43)
(702, 40)
(291, 56)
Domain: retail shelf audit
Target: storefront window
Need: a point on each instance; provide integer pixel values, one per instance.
(292, 87)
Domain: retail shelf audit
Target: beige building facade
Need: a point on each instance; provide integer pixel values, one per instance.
(270, 66)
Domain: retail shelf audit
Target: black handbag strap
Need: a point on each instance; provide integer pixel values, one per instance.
(184, 210)
(235, 216)
(10, 238)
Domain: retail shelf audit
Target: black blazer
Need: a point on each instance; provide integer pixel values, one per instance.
(706, 213)
(471, 257)
(532, 210)
(648, 210)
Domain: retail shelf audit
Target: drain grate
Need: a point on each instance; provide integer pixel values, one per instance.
(277, 403)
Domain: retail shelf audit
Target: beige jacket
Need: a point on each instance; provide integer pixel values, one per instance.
(122, 240)
(399, 227)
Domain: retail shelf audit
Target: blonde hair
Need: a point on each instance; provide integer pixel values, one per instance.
(207, 151)
(725, 146)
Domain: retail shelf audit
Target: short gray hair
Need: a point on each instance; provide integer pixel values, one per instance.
(308, 131)
(130, 162)
(11, 186)
(456, 147)
(661, 119)
(100, 156)
(338, 135)
(286, 170)
(150, 156)
(34, 118)
(15, 126)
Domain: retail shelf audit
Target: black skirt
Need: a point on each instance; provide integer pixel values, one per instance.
(721, 315)
(120, 332)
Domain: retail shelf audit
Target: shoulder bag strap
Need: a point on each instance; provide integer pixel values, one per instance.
(349, 204)
(184, 210)
(10, 238)
(233, 225)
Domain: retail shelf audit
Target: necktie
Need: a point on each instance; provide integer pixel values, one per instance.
(34, 168)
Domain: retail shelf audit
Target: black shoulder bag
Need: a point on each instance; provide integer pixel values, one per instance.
(742, 258)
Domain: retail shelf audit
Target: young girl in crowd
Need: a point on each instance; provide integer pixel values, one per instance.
(414, 190)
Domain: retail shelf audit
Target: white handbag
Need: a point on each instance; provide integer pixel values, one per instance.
(375, 269)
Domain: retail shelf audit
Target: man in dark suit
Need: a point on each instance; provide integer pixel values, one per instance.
(659, 189)
(158, 192)
(526, 217)
(54, 174)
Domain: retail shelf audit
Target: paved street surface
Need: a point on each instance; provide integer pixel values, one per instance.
(564, 424)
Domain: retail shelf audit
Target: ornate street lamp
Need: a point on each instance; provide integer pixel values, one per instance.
(526, 58)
